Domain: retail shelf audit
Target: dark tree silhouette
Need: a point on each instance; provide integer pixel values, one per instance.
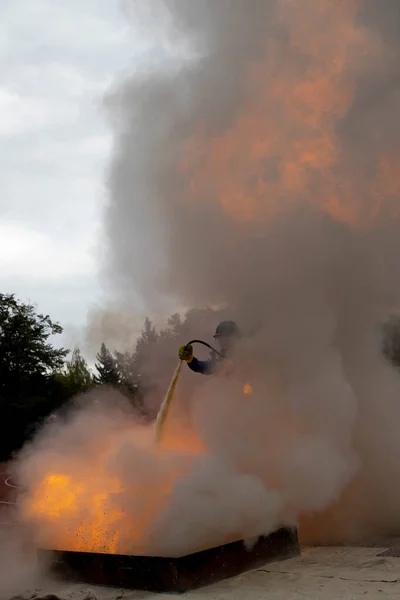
(106, 367)
(28, 361)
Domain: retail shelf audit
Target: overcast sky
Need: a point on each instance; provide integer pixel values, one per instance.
(57, 60)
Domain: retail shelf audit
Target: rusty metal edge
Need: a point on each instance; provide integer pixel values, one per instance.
(164, 574)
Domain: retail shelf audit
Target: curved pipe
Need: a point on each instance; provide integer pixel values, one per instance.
(205, 344)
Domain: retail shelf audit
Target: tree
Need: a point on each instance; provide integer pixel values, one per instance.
(148, 336)
(124, 363)
(154, 360)
(106, 368)
(129, 384)
(76, 376)
(25, 351)
(145, 347)
(27, 364)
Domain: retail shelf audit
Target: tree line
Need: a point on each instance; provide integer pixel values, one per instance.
(38, 379)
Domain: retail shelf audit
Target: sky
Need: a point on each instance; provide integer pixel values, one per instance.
(57, 60)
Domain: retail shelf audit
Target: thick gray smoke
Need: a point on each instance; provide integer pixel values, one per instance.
(263, 174)
(260, 172)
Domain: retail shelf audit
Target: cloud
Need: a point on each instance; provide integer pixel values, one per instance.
(37, 97)
(26, 253)
(57, 61)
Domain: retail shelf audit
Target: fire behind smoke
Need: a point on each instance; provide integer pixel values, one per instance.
(292, 134)
(84, 495)
(80, 504)
(284, 142)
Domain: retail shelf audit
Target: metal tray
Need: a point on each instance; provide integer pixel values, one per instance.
(164, 574)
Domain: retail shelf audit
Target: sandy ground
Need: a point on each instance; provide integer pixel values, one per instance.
(319, 573)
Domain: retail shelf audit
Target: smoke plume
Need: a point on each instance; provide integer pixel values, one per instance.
(258, 171)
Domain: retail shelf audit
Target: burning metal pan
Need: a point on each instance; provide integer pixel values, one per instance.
(164, 574)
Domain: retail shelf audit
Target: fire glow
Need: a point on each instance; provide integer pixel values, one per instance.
(247, 389)
(288, 121)
(81, 507)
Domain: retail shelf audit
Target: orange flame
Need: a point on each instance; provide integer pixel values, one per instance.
(283, 147)
(247, 389)
(81, 508)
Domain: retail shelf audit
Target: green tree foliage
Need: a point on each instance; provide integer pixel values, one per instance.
(76, 376)
(145, 345)
(25, 351)
(124, 363)
(106, 367)
(28, 360)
